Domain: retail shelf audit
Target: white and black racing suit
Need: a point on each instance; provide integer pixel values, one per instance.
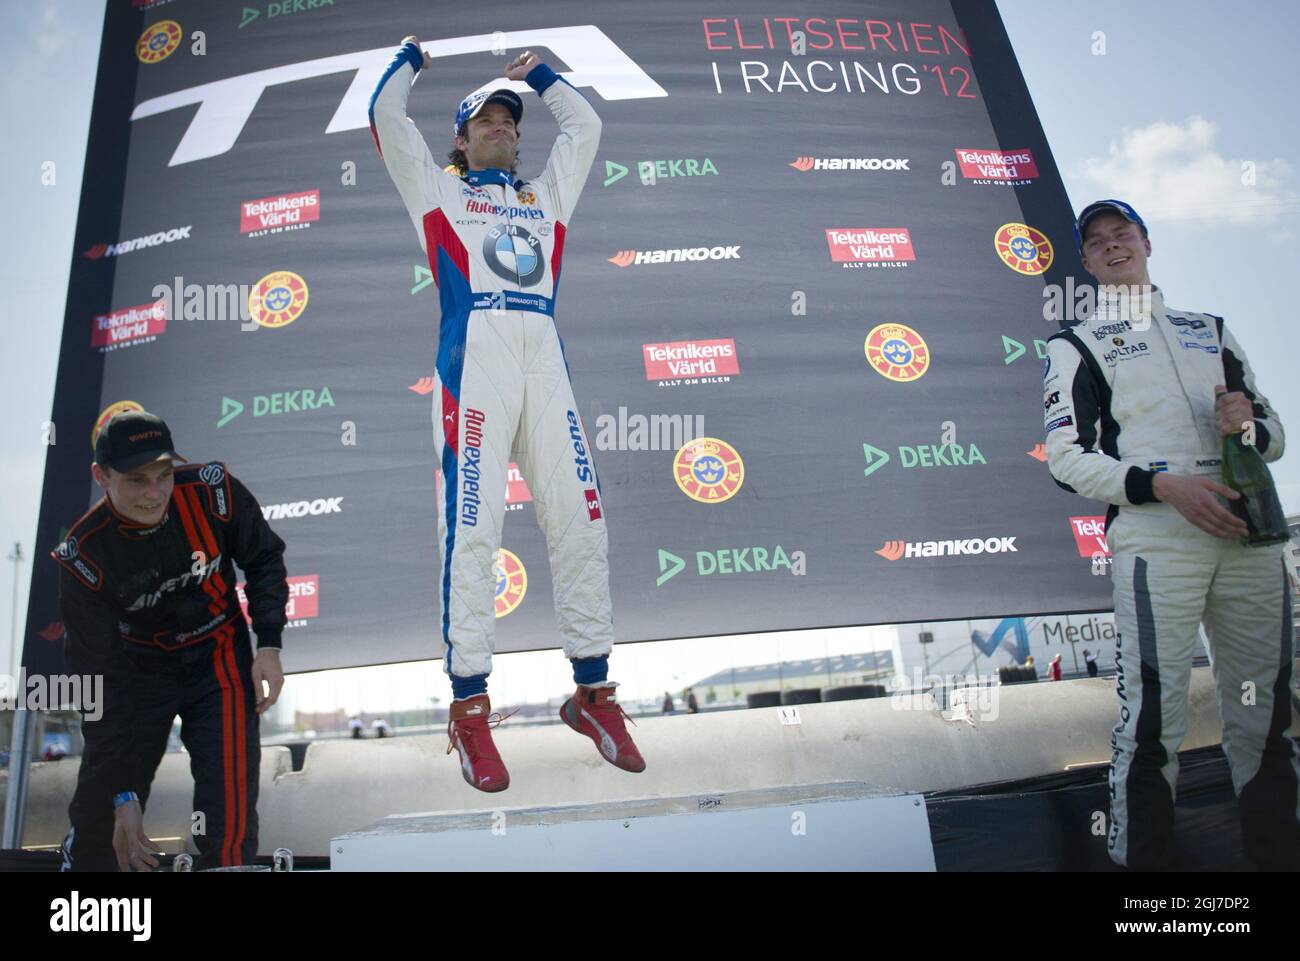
(1128, 393)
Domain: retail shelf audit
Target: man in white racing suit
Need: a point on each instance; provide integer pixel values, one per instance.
(495, 245)
(1132, 419)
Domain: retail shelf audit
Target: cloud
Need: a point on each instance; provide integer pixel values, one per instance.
(50, 34)
(1173, 172)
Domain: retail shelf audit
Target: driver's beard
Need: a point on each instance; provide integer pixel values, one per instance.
(501, 158)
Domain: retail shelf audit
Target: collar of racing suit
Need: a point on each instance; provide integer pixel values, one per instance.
(1118, 303)
(491, 175)
(129, 528)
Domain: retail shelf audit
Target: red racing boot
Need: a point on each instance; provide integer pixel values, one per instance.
(469, 732)
(594, 712)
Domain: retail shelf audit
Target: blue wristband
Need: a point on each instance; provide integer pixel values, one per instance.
(126, 797)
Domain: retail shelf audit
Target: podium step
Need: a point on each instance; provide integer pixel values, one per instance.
(840, 826)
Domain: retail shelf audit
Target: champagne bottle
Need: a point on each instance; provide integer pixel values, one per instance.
(1245, 472)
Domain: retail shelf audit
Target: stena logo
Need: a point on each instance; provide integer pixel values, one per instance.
(225, 106)
(582, 460)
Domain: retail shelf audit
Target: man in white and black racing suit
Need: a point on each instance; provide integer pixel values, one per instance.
(495, 245)
(1132, 419)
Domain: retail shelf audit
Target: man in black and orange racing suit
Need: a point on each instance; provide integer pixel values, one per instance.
(149, 604)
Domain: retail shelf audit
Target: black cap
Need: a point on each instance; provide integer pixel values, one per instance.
(132, 439)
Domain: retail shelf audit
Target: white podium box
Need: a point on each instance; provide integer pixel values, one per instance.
(829, 827)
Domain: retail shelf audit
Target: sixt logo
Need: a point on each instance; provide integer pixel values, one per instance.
(850, 163)
(628, 258)
(897, 550)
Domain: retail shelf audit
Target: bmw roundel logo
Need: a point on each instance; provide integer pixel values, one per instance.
(514, 254)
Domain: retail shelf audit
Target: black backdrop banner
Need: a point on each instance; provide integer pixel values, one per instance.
(802, 306)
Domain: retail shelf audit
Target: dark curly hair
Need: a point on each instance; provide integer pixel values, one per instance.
(457, 158)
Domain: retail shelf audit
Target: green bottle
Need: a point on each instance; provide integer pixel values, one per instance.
(1245, 472)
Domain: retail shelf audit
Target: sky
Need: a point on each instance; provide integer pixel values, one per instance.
(1158, 103)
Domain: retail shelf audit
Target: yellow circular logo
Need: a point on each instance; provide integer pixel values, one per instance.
(278, 299)
(512, 582)
(108, 413)
(159, 42)
(1022, 248)
(898, 352)
(708, 470)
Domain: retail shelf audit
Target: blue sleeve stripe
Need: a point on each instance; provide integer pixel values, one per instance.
(409, 53)
(541, 77)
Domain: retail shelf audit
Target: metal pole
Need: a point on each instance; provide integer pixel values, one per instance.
(20, 752)
(15, 655)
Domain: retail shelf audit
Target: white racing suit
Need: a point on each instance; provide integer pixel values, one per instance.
(494, 246)
(1128, 394)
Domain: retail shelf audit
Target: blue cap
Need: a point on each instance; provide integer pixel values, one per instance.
(475, 102)
(1103, 207)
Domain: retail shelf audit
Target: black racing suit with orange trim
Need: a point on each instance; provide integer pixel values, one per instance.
(154, 612)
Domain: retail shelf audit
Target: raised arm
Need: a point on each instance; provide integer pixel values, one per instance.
(575, 148)
(406, 155)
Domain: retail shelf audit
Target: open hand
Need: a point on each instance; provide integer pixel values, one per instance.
(1193, 497)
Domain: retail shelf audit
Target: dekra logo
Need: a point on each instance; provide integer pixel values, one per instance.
(733, 560)
(924, 455)
(285, 402)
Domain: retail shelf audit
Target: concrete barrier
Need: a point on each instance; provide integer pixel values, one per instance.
(885, 744)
